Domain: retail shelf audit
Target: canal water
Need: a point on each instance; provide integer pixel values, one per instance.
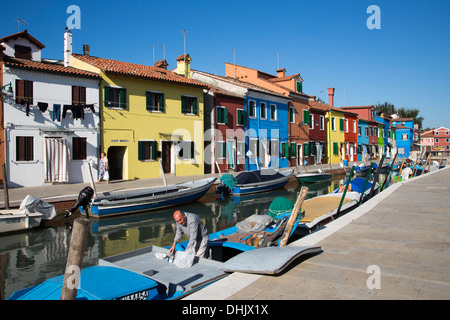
(29, 258)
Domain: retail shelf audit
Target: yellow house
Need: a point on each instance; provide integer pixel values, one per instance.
(335, 134)
(147, 114)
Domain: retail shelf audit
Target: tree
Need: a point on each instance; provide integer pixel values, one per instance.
(389, 108)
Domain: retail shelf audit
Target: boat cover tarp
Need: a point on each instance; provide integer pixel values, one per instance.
(279, 206)
(254, 223)
(258, 176)
(229, 180)
(35, 205)
(269, 260)
(358, 184)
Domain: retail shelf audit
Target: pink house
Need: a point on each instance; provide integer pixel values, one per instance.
(436, 140)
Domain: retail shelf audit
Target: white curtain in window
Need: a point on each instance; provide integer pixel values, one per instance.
(56, 153)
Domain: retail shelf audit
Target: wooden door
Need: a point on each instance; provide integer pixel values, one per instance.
(166, 155)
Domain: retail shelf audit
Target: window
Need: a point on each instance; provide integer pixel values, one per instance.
(253, 147)
(154, 101)
(222, 115)
(333, 125)
(375, 131)
(24, 92)
(293, 150)
(78, 148)
(322, 123)
(241, 119)
(359, 130)
(405, 137)
(263, 107)
(240, 149)
(284, 150)
(447, 140)
(186, 150)
(273, 112)
(366, 131)
(221, 149)
(78, 95)
(335, 148)
(189, 105)
(437, 140)
(299, 86)
(341, 124)
(311, 121)
(291, 115)
(346, 125)
(274, 151)
(306, 152)
(115, 97)
(24, 148)
(354, 126)
(306, 117)
(252, 109)
(22, 52)
(147, 150)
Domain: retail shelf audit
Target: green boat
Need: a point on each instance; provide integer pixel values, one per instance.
(313, 177)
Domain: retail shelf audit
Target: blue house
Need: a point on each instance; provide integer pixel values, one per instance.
(266, 128)
(263, 121)
(404, 133)
(363, 138)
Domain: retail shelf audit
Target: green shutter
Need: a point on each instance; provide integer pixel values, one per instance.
(291, 114)
(194, 106)
(153, 145)
(225, 115)
(106, 100)
(341, 124)
(161, 102)
(293, 149)
(140, 151)
(306, 149)
(286, 150)
(335, 148)
(123, 98)
(183, 104)
(148, 100)
(306, 116)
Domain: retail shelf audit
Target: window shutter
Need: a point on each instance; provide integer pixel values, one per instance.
(153, 155)
(140, 150)
(306, 116)
(148, 99)
(341, 124)
(161, 102)
(20, 91)
(286, 150)
(183, 104)
(107, 97)
(293, 149)
(225, 115)
(123, 98)
(194, 106)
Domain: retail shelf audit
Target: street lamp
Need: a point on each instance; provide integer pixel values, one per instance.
(10, 90)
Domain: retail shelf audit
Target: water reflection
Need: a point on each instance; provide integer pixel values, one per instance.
(29, 258)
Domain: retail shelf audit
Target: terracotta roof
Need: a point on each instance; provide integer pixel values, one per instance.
(137, 70)
(276, 79)
(326, 107)
(47, 67)
(24, 34)
(358, 107)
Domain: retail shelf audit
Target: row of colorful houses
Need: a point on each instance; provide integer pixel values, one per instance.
(58, 115)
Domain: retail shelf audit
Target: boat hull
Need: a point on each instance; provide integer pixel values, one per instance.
(244, 189)
(313, 177)
(146, 203)
(12, 220)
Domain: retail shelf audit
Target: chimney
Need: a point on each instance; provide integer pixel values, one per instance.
(67, 47)
(331, 97)
(86, 50)
(161, 64)
(312, 98)
(281, 73)
(184, 65)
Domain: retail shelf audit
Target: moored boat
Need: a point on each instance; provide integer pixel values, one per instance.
(249, 182)
(148, 199)
(311, 177)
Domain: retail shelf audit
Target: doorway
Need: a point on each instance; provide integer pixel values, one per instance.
(166, 156)
(115, 161)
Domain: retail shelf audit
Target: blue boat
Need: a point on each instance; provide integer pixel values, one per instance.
(249, 182)
(149, 198)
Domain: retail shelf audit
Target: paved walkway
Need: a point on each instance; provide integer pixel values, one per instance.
(395, 246)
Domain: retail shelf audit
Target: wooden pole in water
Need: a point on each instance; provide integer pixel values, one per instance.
(5, 186)
(400, 171)
(75, 259)
(290, 224)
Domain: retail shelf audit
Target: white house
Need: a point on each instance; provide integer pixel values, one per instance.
(51, 117)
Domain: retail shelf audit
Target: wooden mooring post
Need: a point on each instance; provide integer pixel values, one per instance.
(75, 258)
(5, 186)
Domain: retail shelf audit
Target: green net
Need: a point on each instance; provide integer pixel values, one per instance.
(280, 205)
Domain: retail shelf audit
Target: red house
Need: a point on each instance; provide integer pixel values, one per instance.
(351, 136)
(317, 132)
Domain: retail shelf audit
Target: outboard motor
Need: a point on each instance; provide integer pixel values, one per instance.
(84, 198)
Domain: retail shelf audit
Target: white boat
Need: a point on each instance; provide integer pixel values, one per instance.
(29, 215)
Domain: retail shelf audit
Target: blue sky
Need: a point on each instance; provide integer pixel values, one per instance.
(406, 62)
